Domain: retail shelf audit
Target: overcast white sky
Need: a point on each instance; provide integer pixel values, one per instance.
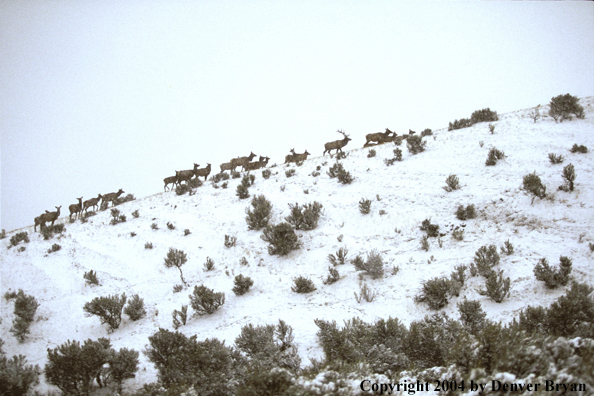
(101, 95)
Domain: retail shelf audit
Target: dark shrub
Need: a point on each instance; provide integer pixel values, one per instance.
(303, 285)
(48, 232)
(305, 217)
(453, 183)
(108, 309)
(16, 376)
(281, 238)
(183, 361)
(55, 247)
(275, 382)
(555, 159)
(508, 248)
(371, 153)
(483, 115)
(340, 257)
(242, 284)
(472, 315)
(242, 189)
(553, 277)
(122, 365)
(426, 132)
(176, 258)
(493, 156)
(180, 317)
(364, 206)
(579, 149)
(181, 189)
(532, 320)
(428, 341)
(206, 301)
(435, 293)
(195, 183)
(533, 185)
(25, 307)
(135, 214)
(259, 216)
(485, 258)
(135, 308)
(18, 237)
(148, 245)
(72, 367)
(170, 226)
(230, 241)
(572, 315)
(290, 172)
(562, 106)
(90, 278)
(497, 287)
(466, 214)
(266, 174)
(459, 124)
(415, 144)
(569, 177)
(208, 264)
(269, 346)
(116, 217)
(373, 266)
(333, 276)
(432, 230)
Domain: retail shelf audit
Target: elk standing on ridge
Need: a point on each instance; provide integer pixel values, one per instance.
(75, 209)
(47, 216)
(111, 197)
(337, 144)
(380, 137)
(186, 175)
(241, 161)
(203, 172)
(296, 157)
(261, 163)
(91, 202)
(225, 166)
(169, 180)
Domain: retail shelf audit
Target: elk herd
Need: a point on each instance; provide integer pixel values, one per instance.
(245, 163)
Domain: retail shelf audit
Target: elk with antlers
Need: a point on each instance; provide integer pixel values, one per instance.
(337, 144)
(380, 137)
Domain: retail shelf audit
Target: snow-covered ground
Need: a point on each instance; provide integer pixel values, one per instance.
(409, 192)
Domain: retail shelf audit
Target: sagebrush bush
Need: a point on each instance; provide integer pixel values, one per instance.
(259, 214)
(305, 217)
(364, 206)
(333, 276)
(483, 115)
(25, 307)
(180, 318)
(428, 341)
(493, 156)
(579, 149)
(340, 257)
(242, 190)
(176, 258)
(303, 285)
(561, 107)
(432, 230)
(18, 237)
(148, 245)
(242, 284)
(135, 308)
(371, 153)
(485, 258)
(209, 264)
(290, 173)
(48, 232)
(569, 177)
(183, 361)
(16, 376)
(472, 315)
(453, 183)
(496, 286)
(553, 278)
(572, 315)
(206, 301)
(266, 174)
(459, 124)
(435, 293)
(533, 185)
(108, 309)
(281, 238)
(90, 278)
(507, 248)
(397, 157)
(365, 293)
(181, 189)
(556, 159)
(415, 144)
(466, 213)
(230, 241)
(426, 132)
(425, 243)
(55, 247)
(117, 217)
(195, 183)
(373, 266)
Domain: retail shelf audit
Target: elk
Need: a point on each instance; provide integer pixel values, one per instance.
(225, 166)
(337, 144)
(186, 175)
(261, 163)
(47, 216)
(93, 202)
(241, 161)
(75, 209)
(380, 137)
(203, 172)
(169, 180)
(296, 157)
(111, 197)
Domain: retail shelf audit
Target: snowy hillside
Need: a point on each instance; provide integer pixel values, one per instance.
(408, 192)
